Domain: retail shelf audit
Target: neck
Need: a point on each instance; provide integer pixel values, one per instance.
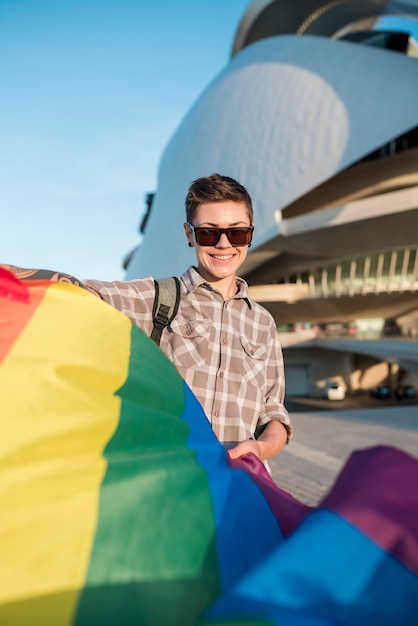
(227, 287)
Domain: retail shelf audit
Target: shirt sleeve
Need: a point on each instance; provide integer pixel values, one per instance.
(134, 298)
(274, 408)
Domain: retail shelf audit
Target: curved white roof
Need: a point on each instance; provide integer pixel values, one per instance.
(284, 116)
(327, 18)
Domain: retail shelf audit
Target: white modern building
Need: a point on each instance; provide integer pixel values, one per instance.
(316, 113)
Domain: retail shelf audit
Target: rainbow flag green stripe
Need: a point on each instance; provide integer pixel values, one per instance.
(152, 474)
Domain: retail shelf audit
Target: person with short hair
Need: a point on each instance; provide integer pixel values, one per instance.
(222, 342)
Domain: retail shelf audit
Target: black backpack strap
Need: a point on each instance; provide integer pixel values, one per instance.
(166, 304)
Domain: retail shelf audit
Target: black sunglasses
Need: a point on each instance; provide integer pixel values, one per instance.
(240, 236)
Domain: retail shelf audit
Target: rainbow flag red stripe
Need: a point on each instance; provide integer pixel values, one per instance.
(120, 507)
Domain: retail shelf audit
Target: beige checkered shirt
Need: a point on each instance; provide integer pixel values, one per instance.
(227, 351)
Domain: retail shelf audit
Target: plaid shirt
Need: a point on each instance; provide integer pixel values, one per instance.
(227, 351)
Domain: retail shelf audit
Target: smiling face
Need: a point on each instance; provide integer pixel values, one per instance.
(219, 263)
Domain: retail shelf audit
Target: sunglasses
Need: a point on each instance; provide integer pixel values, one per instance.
(240, 236)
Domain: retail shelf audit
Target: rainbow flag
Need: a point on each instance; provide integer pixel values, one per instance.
(119, 506)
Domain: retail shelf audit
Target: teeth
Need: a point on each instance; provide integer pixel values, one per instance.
(223, 257)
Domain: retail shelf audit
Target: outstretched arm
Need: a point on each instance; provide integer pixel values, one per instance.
(35, 274)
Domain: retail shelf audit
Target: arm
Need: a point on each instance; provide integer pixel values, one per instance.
(271, 441)
(35, 274)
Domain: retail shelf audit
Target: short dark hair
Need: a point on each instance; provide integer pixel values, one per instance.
(216, 188)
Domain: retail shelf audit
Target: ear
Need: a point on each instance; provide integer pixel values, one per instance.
(189, 234)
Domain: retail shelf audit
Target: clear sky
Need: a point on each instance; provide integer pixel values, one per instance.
(91, 92)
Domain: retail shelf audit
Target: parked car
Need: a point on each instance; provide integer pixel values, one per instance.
(406, 391)
(333, 390)
(391, 328)
(382, 392)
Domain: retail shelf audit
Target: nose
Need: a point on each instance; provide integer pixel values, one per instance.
(223, 241)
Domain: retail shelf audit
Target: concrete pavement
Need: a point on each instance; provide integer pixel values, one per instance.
(324, 440)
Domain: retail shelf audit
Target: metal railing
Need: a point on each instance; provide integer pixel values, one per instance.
(384, 272)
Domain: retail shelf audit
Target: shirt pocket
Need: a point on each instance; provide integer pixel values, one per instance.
(189, 342)
(254, 362)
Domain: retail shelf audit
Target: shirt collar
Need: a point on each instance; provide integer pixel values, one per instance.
(192, 280)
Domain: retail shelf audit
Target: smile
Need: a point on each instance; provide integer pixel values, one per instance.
(224, 257)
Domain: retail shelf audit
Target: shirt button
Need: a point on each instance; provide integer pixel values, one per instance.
(225, 340)
(189, 331)
(216, 414)
(221, 374)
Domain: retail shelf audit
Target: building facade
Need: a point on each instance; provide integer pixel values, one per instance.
(316, 114)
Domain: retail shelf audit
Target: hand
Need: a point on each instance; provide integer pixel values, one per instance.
(249, 445)
(269, 443)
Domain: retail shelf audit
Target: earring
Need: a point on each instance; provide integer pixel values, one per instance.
(190, 244)
(249, 245)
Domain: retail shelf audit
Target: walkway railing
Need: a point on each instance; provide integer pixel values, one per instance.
(385, 272)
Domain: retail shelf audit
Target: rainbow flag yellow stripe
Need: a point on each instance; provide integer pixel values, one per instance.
(93, 461)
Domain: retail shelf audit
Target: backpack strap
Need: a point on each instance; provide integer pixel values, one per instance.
(166, 304)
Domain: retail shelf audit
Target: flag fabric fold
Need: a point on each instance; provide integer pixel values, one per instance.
(119, 506)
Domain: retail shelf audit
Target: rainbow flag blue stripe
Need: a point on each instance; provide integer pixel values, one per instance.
(119, 506)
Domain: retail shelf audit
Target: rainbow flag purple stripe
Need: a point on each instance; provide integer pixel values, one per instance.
(119, 506)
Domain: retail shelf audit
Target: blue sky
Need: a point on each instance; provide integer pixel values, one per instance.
(92, 91)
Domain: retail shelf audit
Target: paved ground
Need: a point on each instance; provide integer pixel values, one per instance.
(324, 439)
